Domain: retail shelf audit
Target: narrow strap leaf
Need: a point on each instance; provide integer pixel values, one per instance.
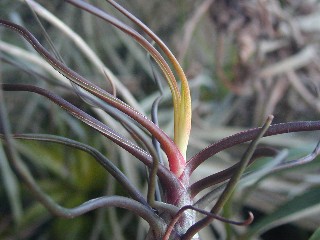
(246, 136)
(99, 157)
(166, 142)
(183, 113)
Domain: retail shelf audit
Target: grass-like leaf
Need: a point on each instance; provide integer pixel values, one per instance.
(11, 186)
(166, 142)
(296, 208)
(248, 135)
(183, 114)
(99, 157)
(181, 102)
(113, 201)
(315, 235)
(167, 178)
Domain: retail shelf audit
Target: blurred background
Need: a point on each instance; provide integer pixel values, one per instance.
(244, 60)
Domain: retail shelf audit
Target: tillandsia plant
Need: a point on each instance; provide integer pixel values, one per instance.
(172, 201)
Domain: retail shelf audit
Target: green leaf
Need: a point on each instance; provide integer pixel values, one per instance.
(315, 235)
(11, 186)
(296, 208)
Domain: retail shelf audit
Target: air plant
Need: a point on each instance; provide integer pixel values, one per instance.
(171, 212)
